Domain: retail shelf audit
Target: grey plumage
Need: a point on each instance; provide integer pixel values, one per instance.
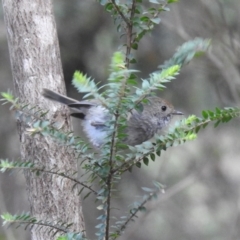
(141, 126)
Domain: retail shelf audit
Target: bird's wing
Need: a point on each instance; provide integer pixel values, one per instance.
(82, 104)
(80, 108)
(78, 115)
(98, 124)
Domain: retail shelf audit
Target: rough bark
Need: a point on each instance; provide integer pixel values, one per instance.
(35, 62)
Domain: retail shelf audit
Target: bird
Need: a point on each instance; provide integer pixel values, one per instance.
(142, 125)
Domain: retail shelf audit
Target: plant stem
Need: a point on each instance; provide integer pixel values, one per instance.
(113, 146)
(109, 179)
(125, 19)
(134, 213)
(129, 34)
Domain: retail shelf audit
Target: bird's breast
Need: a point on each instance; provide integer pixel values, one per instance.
(94, 125)
(163, 121)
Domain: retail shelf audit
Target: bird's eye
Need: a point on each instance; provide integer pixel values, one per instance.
(164, 108)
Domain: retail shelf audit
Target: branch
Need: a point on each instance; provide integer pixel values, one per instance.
(27, 220)
(135, 211)
(117, 65)
(129, 35)
(140, 207)
(67, 177)
(184, 131)
(6, 165)
(125, 19)
(109, 179)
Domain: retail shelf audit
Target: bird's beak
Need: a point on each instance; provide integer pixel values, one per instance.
(177, 113)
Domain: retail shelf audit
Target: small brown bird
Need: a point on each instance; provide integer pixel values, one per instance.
(141, 125)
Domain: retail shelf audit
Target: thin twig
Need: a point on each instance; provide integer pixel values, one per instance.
(134, 213)
(130, 34)
(122, 93)
(228, 28)
(169, 193)
(58, 228)
(112, 154)
(109, 179)
(66, 176)
(125, 19)
(34, 169)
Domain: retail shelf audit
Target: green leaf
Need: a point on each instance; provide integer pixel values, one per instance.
(138, 164)
(83, 83)
(134, 46)
(218, 111)
(152, 156)
(100, 207)
(187, 51)
(142, 209)
(158, 152)
(100, 225)
(197, 129)
(147, 189)
(144, 19)
(145, 161)
(217, 123)
(145, 85)
(205, 114)
(159, 185)
(8, 96)
(166, 9)
(109, 7)
(87, 195)
(154, 1)
(62, 238)
(156, 20)
(103, 2)
(204, 125)
(133, 60)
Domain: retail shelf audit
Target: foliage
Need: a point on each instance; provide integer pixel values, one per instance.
(120, 95)
(28, 221)
(138, 18)
(186, 52)
(111, 164)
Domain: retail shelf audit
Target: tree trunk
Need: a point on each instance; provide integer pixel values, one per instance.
(35, 61)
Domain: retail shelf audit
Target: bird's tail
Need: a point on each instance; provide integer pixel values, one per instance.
(58, 97)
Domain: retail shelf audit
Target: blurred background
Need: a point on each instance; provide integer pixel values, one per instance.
(202, 178)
